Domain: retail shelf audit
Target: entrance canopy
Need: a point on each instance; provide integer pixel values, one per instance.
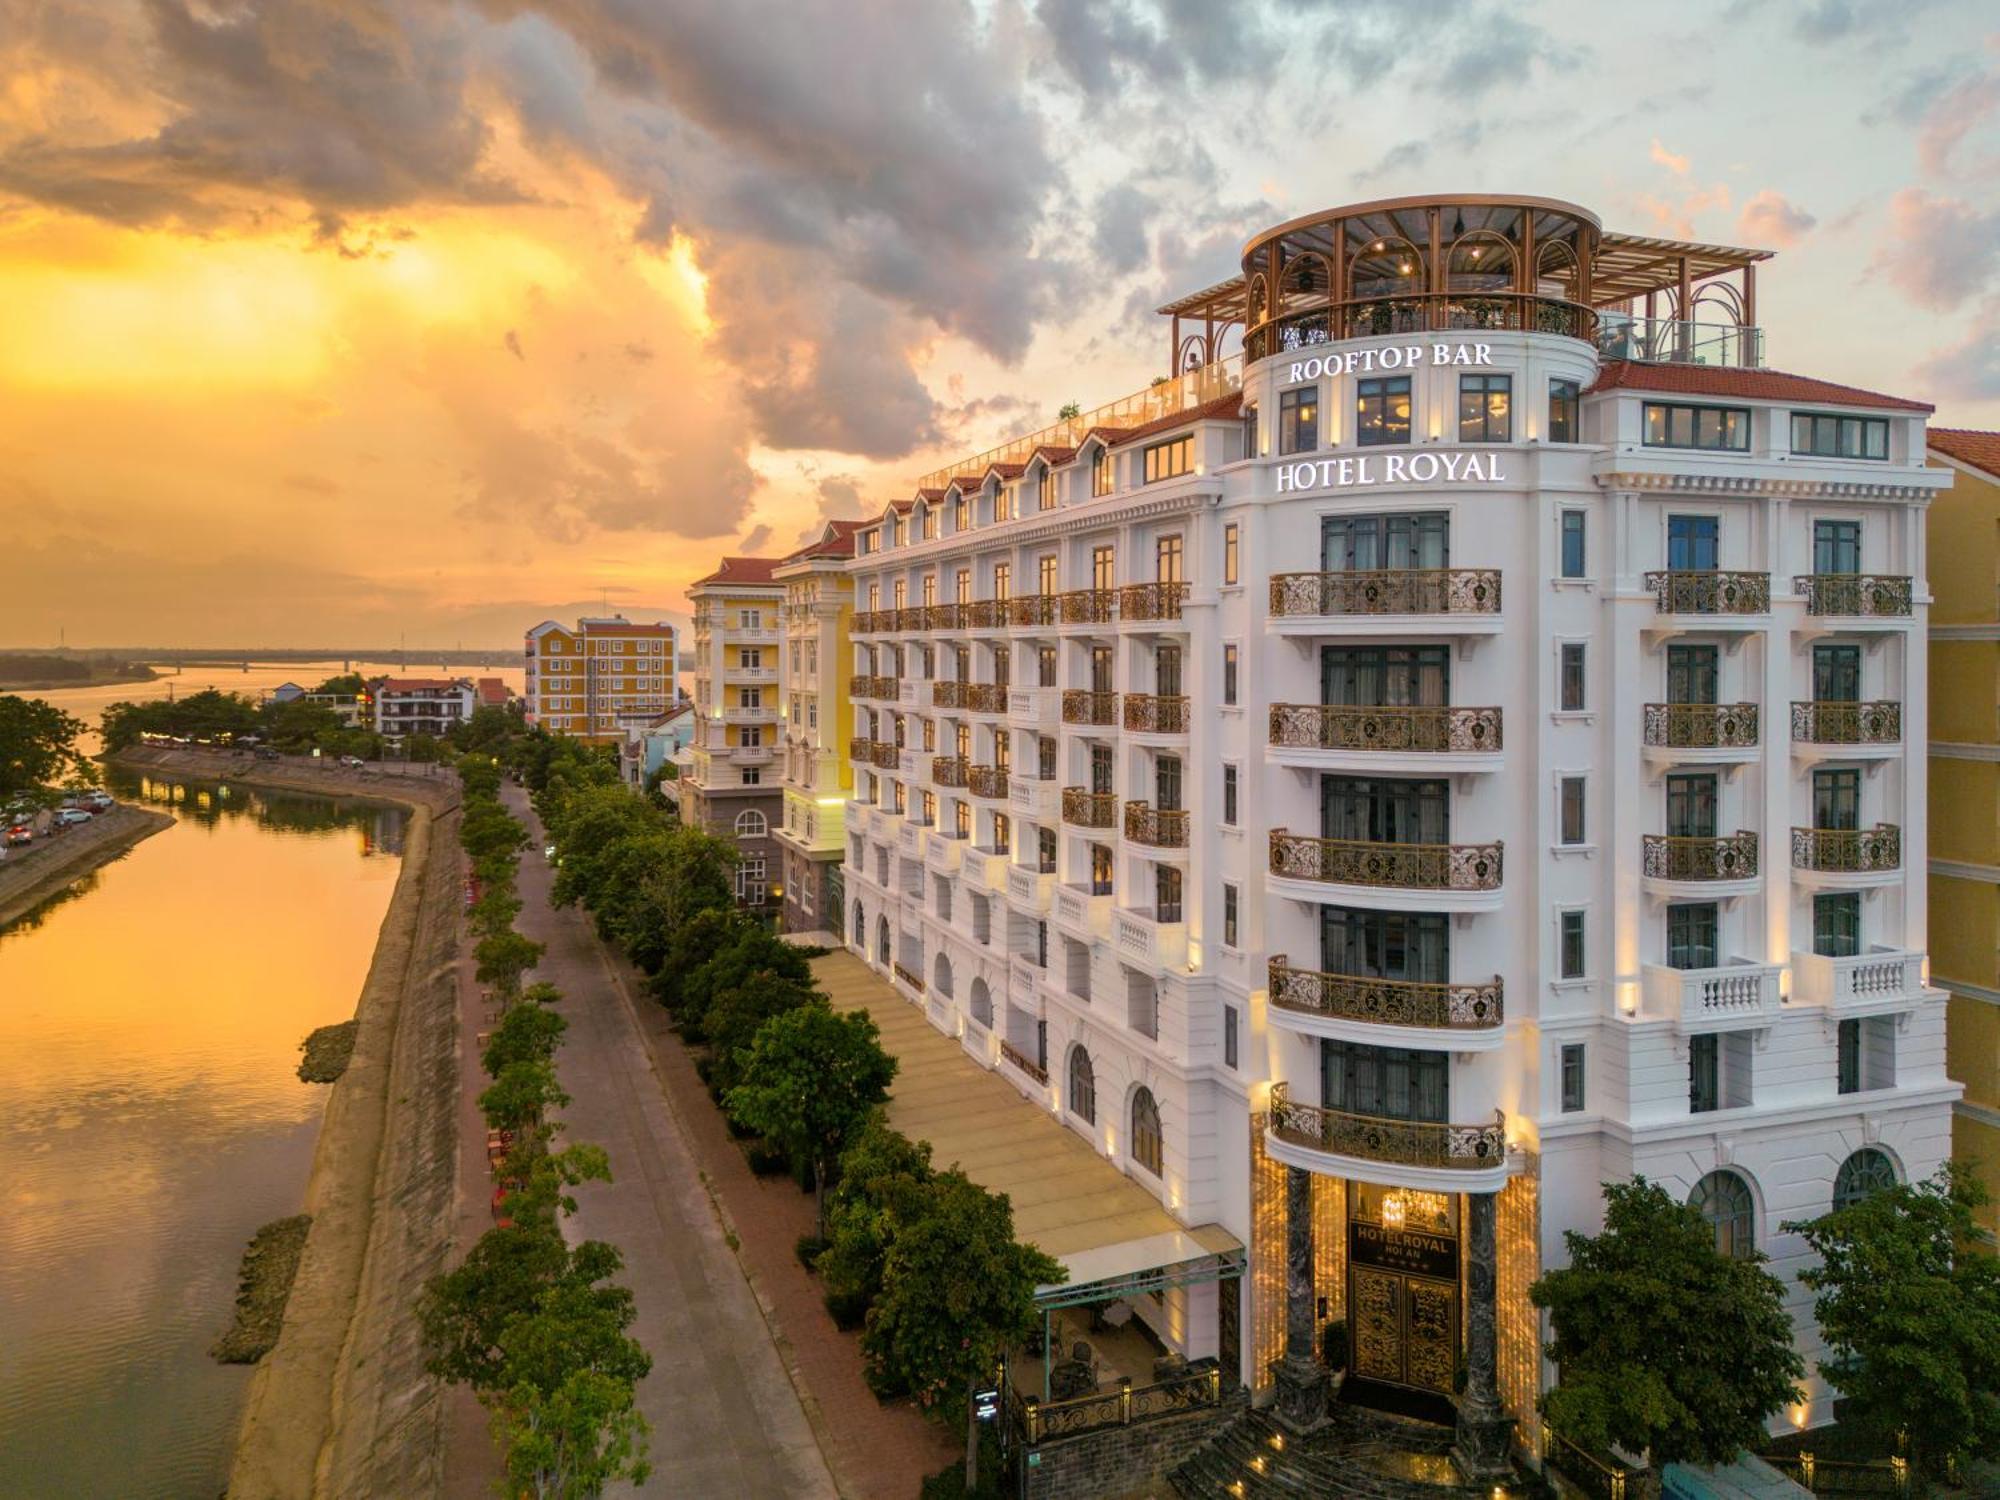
(1109, 1233)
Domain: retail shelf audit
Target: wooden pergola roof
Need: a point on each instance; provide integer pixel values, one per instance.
(1631, 265)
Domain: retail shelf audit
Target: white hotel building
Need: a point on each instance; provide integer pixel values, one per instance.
(1462, 748)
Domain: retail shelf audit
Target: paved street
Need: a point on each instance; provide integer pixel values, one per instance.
(726, 1420)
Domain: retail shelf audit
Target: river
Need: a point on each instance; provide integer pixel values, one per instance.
(151, 1120)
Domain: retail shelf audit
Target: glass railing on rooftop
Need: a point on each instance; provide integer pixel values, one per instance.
(1673, 341)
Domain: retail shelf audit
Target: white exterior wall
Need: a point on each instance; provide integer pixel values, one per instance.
(1627, 1010)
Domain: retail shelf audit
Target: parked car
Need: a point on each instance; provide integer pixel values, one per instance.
(353, 762)
(98, 802)
(68, 817)
(20, 834)
(265, 752)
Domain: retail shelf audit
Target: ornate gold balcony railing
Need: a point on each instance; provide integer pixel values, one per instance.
(1384, 1002)
(1826, 722)
(1849, 851)
(861, 750)
(1083, 706)
(1161, 827)
(1388, 591)
(1032, 609)
(1700, 726)
(987, 781)
(949, 770)
(1024, 1062)
(885, 754)
(986, 697)
(1729, 856)
(1887, 594)
(1084, 808)
(912, 619)
(944, 616)
(1146, 713)
(1408, 1143)
(946, 694)
(1151, 601)
(859, 684)
(913, 980)
(985, 614)
(1415, 867)
(1337, 726)
(1088, 606)
(1713, 591)
(864, 622)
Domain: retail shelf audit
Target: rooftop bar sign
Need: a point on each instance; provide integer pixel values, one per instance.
(1390, 468)
(1390, 357)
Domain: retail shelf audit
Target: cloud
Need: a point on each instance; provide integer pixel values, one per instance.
(1501, 48)
(1939, 252)
(1769, 218)
(1678, 165)
(1123, 213)
(1968, 370)
(755, 540)
(1822, 21)
(513, 343)
(1404, 156)
(1952, 116)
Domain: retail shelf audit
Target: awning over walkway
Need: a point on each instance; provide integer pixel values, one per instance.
(1068, 1200)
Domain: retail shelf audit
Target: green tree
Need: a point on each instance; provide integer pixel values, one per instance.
(957, 1288)
(209, 715)
(299, 725)
(344, 685)
(810, 1080)
(38, 746)
(742, 946)
(1665, 1345)
(569, 1443)
(503, 958)
(736, 1016)
(1910, 1310)
(884, 1177)
(423, 749)
(526, 1033)
(521, 1095)
(494, 912)
(488, 828)
(489, 730)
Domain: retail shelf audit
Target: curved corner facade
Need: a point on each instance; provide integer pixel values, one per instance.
(1379, 785)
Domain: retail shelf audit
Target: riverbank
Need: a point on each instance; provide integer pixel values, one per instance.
(342, 1405)
(27, 682)
(32, 875)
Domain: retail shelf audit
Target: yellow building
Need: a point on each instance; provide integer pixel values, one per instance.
(1964, 557)
(731, 786)
(818, 721)
(600, 679)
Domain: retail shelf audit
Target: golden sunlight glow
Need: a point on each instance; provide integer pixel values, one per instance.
(676, 277)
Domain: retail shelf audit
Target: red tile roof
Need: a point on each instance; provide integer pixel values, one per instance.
(745, 570)
(1005, 471)
(417, 684)
(1748, 385)
(625, 627)
(492, 691)
(1228, 406)
(836, 540)
(1976, 449)
(1053, 454)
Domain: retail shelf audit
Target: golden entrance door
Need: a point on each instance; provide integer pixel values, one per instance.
(1404, 1329)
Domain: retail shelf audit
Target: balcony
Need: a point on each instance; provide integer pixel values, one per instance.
(1336, 736)
(1671, 862)
(1086, 706)
(1699, 732)
(985, 697)
(1031, 611)
(1140, 602)
(1030, 888)
(1153, 938)
(1453, 601)
(1374, 316)
(1146, 713)
(949, 770)
(1868, 730)
(1857, 595)
(864, 622)
(752, 755)
(1156, 827)
(1084, 910)
(1033, 707)
(1451, 1158)
(985, 614)
(886, 755)
(1087, 606)
(1729, 997)
(1022, 1063)
(861, 685)
(989, 782)
(911, 621)
(1723, 593)
(948, 694)
(1854, 856)
(1348, 1005)
(1083, 808)
(1458, 876)
(740, 673)
(1033, 797)
(740, 714)
(943, 851)
(1860, 984)
(1678, 341)
(861, 751)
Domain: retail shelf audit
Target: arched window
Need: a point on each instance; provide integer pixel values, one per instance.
(882, 940)
(1082, 1086)
(1723, 1198)
(1146, 1131)
(941, 976)
(860, 926)
(982, 1002)
(1862, 1175)
(752, 824)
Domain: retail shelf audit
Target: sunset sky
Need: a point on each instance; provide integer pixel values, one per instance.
(330, 321)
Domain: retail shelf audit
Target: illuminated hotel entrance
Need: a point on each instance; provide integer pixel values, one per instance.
(1403, 1287)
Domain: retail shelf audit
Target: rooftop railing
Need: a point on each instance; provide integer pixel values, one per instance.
(1673, 341)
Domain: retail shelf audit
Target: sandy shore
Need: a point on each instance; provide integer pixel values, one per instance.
(342, 1406)
(29, 876)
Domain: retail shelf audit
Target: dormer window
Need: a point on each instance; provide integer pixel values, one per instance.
(1001, 511)
(926, 523)
(1100, 473)
(1047, 494)
(961, 513)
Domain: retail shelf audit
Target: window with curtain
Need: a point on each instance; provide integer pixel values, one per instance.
(1691, 805)
(1082, 1086)
(1382, 411)
(1367, 543)
(1837, 924)
(1836, 546)
(1836, 673)
(1485, 408)
(1146, 1144)
(1563, 411)
(1691, 674)
(1414, 946)
(1691, 935)
(1298, 420)
(1837, 799)
(1384, 676)
(1393, 1083)
(1384, 811)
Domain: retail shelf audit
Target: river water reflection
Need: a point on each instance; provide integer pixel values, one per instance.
(151, 1120)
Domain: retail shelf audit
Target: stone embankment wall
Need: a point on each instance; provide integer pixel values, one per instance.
(343, 1406)
(32, 874)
